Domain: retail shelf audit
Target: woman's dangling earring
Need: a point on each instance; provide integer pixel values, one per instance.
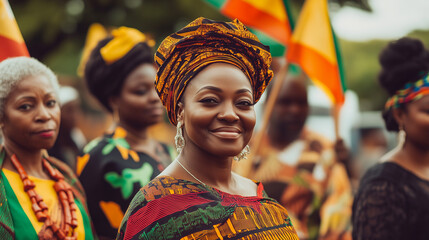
(243, 154)
(115, 115)
(179, 140)
(401, 137)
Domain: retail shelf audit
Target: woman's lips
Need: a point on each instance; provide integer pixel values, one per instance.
(46, 134)
(227, 133)
(156, 111)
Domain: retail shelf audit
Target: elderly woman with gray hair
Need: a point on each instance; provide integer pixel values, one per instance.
(40, 197)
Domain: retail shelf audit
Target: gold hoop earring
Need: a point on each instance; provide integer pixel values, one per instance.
(179, 140)
(243, 154)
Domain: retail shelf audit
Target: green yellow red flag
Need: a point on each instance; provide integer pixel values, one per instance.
(313, 46)
(11, 42)
(271, 19)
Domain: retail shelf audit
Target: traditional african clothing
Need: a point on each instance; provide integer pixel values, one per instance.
(169, 208)
(17, 218)
(304, 178)
(411, 92)
(112, 173)
(184, 54)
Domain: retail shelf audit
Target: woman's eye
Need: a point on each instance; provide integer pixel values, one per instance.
(140, 92)
(208, 100)
(24, 107)
(245, 103)
(51, 103)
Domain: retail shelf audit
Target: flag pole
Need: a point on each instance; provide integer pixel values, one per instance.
(336, 108)
(245, 168)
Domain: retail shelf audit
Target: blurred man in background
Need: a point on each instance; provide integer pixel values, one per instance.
(303, 170)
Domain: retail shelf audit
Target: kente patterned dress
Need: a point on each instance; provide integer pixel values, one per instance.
(170, 208)
(305, 179)
(17, 218)
(112, 173)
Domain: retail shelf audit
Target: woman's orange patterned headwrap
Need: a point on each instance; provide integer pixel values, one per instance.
(183, 54)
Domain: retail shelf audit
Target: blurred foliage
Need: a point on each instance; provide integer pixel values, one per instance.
(55, 32)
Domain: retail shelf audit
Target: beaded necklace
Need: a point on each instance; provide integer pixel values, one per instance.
(66, 230)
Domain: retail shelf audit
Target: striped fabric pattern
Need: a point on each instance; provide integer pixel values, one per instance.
(411, 92)
(170, 208)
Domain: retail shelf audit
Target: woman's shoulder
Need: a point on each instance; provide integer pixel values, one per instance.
(253, 187)
(388, 172)
(162, 186)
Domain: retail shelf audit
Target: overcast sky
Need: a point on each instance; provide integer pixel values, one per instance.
(390, 19)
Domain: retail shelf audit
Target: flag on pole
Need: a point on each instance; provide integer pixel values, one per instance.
(314, 47)
(11, 42)
(271, 19)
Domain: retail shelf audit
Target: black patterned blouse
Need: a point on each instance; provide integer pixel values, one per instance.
(392, 203)
(112, 173)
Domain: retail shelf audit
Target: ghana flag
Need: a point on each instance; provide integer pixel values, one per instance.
(11, 42)
(270, 18)
(314, 47)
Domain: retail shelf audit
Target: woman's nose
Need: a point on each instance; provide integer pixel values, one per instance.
(228, 113)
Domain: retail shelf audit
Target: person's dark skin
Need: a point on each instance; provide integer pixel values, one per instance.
(289, 113)
(414, 155)
(30, 124)
(138, 107)
(218, 120)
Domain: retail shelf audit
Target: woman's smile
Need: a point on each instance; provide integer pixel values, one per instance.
(226, 132)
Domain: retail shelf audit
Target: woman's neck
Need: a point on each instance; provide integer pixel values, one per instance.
(136, 137)
(415, 159)
(212, 170)
(30, 160)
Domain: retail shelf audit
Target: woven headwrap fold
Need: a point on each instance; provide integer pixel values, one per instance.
(183, 54)
(411, 92)
(113, 59)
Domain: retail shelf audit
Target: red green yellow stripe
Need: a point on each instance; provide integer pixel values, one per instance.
(10, 48)
(313, 46)
(261, 15)
(11, 41)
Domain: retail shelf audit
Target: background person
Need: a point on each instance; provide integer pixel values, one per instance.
(70, 139)
(40, 197)
(210, 76)
(120, 73)
(391, 202)
(303, 170)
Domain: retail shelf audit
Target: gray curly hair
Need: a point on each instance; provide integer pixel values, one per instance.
(13, 70)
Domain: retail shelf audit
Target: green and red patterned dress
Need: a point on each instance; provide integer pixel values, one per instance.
(169, 208)
(112, 173)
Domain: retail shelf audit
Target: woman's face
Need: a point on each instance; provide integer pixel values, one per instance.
(218, 113)
(31, 114)
(138, 104)
(415, 121)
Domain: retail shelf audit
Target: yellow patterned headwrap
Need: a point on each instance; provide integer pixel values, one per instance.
(124, 39)
(202, 42)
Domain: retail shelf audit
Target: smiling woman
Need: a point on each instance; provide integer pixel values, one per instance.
(210, 76)
(40, 197)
